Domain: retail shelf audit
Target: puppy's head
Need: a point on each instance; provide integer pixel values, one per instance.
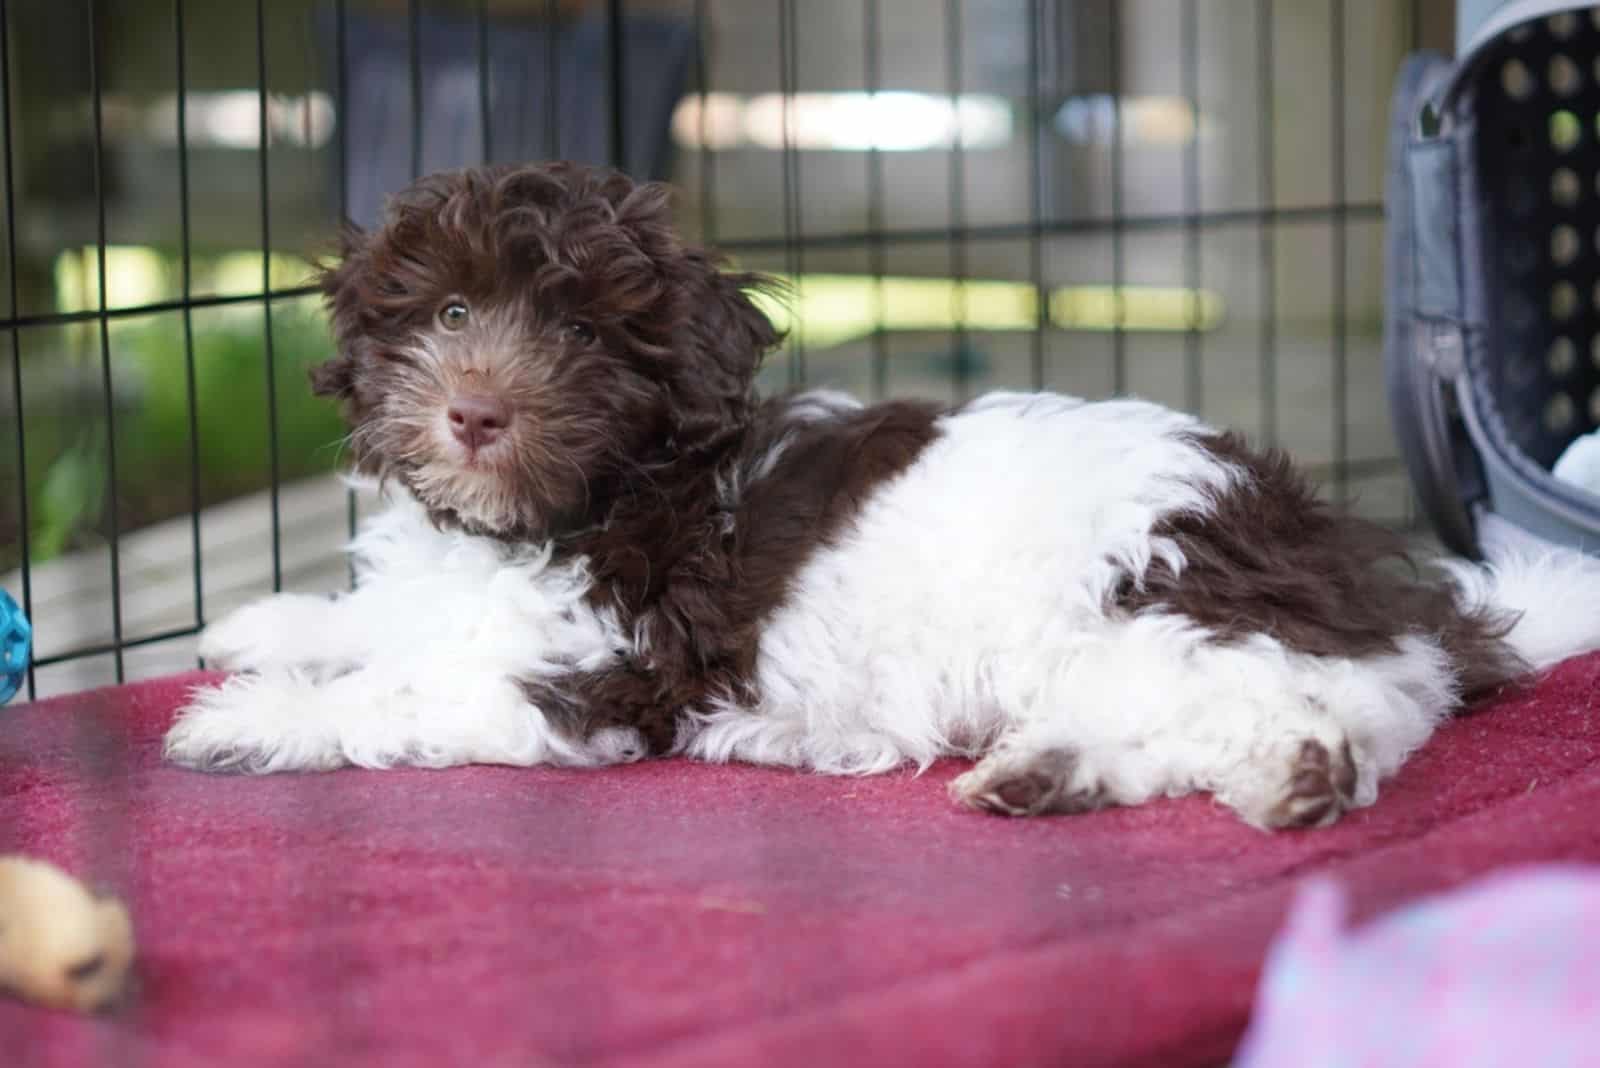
(512, 342)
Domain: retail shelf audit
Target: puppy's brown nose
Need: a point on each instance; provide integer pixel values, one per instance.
(478, 419)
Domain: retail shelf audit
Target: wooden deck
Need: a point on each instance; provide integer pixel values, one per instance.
(72, 602)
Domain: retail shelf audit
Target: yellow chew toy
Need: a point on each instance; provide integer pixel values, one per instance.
(60, 946)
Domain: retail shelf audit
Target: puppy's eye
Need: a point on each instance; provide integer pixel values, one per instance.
(578, 331)
(453, 316)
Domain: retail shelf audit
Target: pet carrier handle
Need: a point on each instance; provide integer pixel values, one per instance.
(16, 644)
(1426, 308)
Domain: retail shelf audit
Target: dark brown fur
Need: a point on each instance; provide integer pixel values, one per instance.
(1271, 558)
(703, 579)
(666, 378)
(658, 418)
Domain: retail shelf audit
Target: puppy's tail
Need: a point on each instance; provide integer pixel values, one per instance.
(1545, 597)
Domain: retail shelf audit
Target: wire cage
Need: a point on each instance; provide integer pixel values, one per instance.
(1090, 196)
(1494, 354)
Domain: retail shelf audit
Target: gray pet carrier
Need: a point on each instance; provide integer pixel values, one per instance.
(1493, 332)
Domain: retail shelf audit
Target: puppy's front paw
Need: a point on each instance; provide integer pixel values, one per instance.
(1307, 780)
(252, 724)
(285, 630)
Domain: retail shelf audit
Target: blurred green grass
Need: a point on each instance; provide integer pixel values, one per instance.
(66, 433)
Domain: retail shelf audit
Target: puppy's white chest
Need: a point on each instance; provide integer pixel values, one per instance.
(450, 598)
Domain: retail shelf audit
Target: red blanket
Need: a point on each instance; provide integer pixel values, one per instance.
(678, 914)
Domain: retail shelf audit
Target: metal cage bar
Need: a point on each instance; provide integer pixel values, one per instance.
(707, 158)
(136, 311)
(1119, 267)
(414, 69)
(1193, 266)
(186, 254)
(877, 248)
(1268, 249)
(96, 97)
(1036, 191)
(617, 71)
(1340, 296)
(341, 87)
(23, 530)
(957, 204)
(267, 351)
(552, 82)
(793, 222)
(1059, 227)
(485, 126)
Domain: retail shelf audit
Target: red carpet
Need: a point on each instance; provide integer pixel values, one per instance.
(678, 914)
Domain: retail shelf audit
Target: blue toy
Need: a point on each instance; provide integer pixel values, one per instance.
(16, 642)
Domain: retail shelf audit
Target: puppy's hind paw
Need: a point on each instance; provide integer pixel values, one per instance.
(1029, 784)
(1321, 785)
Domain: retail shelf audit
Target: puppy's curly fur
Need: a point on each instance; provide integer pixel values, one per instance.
(1106, 602)
(646, 350)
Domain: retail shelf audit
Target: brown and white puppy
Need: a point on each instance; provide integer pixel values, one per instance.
(599, 544)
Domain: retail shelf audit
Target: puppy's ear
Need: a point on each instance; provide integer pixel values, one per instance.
(352, 239)
(334, 377)
(334, 272)
(738, 319)
(728, 335)
(336, 278)
(645, 210)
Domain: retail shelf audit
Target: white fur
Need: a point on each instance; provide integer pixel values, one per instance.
(416, 666)
(963, 584)
(1555, 591)
(964, 612)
